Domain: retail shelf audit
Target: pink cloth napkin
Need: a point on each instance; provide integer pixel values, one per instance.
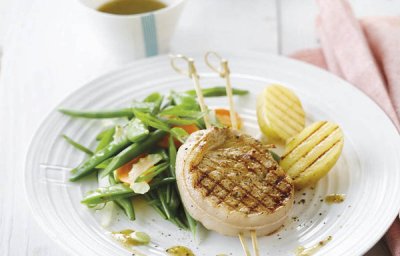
(364, 53)
(367, 54)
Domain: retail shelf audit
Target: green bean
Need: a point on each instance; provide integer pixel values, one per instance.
(151, 120)
(171, 209)
(104, 165)
(160, 211)
(171, 204)
(124, 203)
(185, 101)
(179, 223)
(167, 210)
(154, 97)
(179, 134)
(200, 124)
(145, 107)
(77, 145)
(172, 156)
(136, 130)
(101, 134)
(180, 111)
(152, 172)
(217, 92)
(160, 203)
(180, 121)
(110, 193)
(106, 138)
(88, 166)
(168, 193)
(157, 99)
(164, 204)
(151, 201)
(134, 150)
(192, 223)
(175, 200)
(115, 113)
(172, 160)
(162, 153)
(155, 203)
(178, 210)
(168, 101)
(160, 182)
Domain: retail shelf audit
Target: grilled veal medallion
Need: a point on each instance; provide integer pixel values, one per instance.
(230, 183)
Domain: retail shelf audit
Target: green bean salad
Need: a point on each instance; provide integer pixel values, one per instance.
(138, 157)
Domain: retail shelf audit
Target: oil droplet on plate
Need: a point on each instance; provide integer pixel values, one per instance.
(334, 198)
(302, 251)
(179, 251)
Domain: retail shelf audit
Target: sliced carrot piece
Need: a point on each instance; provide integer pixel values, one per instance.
(190, 128)
(224, 117)
(164, 142)
(123, 171)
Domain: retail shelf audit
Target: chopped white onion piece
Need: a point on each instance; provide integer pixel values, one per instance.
(140, 167)
(140, 187)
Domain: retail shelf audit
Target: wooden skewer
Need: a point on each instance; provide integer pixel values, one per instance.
(200, 97)
(224, 72)
(229, 93)
(244, 245)
(192, 73)
(254, 241)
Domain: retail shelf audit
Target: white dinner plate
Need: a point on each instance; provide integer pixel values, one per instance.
(368, 172)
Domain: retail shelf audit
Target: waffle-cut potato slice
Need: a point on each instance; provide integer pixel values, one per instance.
(312, 153)
(280, 113)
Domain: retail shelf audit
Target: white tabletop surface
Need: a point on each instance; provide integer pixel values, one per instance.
(47, 52)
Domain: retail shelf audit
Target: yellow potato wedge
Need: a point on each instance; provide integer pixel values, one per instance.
(280, 113)
(312, 153)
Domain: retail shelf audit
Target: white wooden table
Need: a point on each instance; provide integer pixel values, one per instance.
(48, 52)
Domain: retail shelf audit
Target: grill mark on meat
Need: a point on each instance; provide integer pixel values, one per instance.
(202, 176)
(222, 199)
(277, 199)
(247, 157)
(229, 192)
(278, 180)
(283, 193)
